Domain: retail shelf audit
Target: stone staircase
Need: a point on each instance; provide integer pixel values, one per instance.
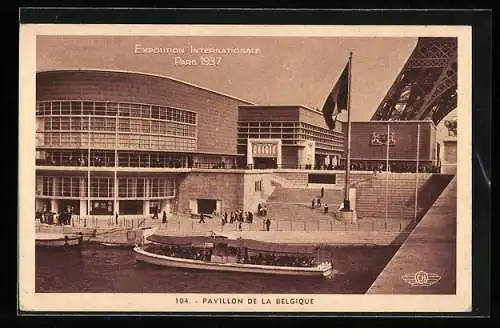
(389, 192)
(290, 179)
(305, 196)
(295, 204)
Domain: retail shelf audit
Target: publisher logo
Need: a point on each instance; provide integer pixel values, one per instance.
(421, 278)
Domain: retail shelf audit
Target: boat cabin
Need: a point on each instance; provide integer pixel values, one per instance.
(217, 249)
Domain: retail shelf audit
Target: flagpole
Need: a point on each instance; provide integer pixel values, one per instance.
(88, 171)
(387, 178)
(347, 203)
(115, 175)
(416, 171)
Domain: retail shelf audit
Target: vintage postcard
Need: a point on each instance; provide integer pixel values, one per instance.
(211, 168)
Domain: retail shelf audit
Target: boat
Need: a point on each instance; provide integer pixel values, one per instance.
(118, 245)
(217, 253)
(133, 237)
(58, 240)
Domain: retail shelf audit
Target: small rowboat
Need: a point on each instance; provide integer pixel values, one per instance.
(133, 237)
(58, 240)
(118, 245)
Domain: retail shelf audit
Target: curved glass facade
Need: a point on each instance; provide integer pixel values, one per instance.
(102, 187)
(65, 124)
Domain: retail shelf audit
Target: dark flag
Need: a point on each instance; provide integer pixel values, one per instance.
(337, 99)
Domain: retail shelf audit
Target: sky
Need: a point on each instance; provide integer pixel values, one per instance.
(287, 70)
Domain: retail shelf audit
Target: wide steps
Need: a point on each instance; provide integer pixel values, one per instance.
(397, 193)
(304, 196)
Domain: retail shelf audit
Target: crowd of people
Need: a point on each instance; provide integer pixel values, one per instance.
(239, 217)
(48, 217)
(185, 252)
(108, 161)
(282, 260)
(394, 167)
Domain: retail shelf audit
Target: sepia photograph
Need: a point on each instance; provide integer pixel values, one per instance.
(245, 168)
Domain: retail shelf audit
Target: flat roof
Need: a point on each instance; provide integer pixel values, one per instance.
(279, 106)
(396, 122)
(321, 113)
(145, 74)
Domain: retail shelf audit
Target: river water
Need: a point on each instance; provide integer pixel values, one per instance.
(98, 269)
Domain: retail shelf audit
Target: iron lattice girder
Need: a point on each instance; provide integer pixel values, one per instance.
(430, 73)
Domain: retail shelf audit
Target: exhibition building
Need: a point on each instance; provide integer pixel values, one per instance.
(111, 142)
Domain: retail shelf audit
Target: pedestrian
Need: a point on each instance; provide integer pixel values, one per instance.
(259, 208)
(164, 219)
(239, 226)
(319, 202)
(313, 203)
(231, 217)
(116, 218)
(322, 192)
(326, 208)
(263, 224)
(225, 216)
(268, 224)
(202, 218)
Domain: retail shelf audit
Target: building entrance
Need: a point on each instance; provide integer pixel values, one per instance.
(265, 162)
(128, 207)
(207, 206)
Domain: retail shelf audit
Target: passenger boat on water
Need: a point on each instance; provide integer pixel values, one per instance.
(219, 253)
(58, 240)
